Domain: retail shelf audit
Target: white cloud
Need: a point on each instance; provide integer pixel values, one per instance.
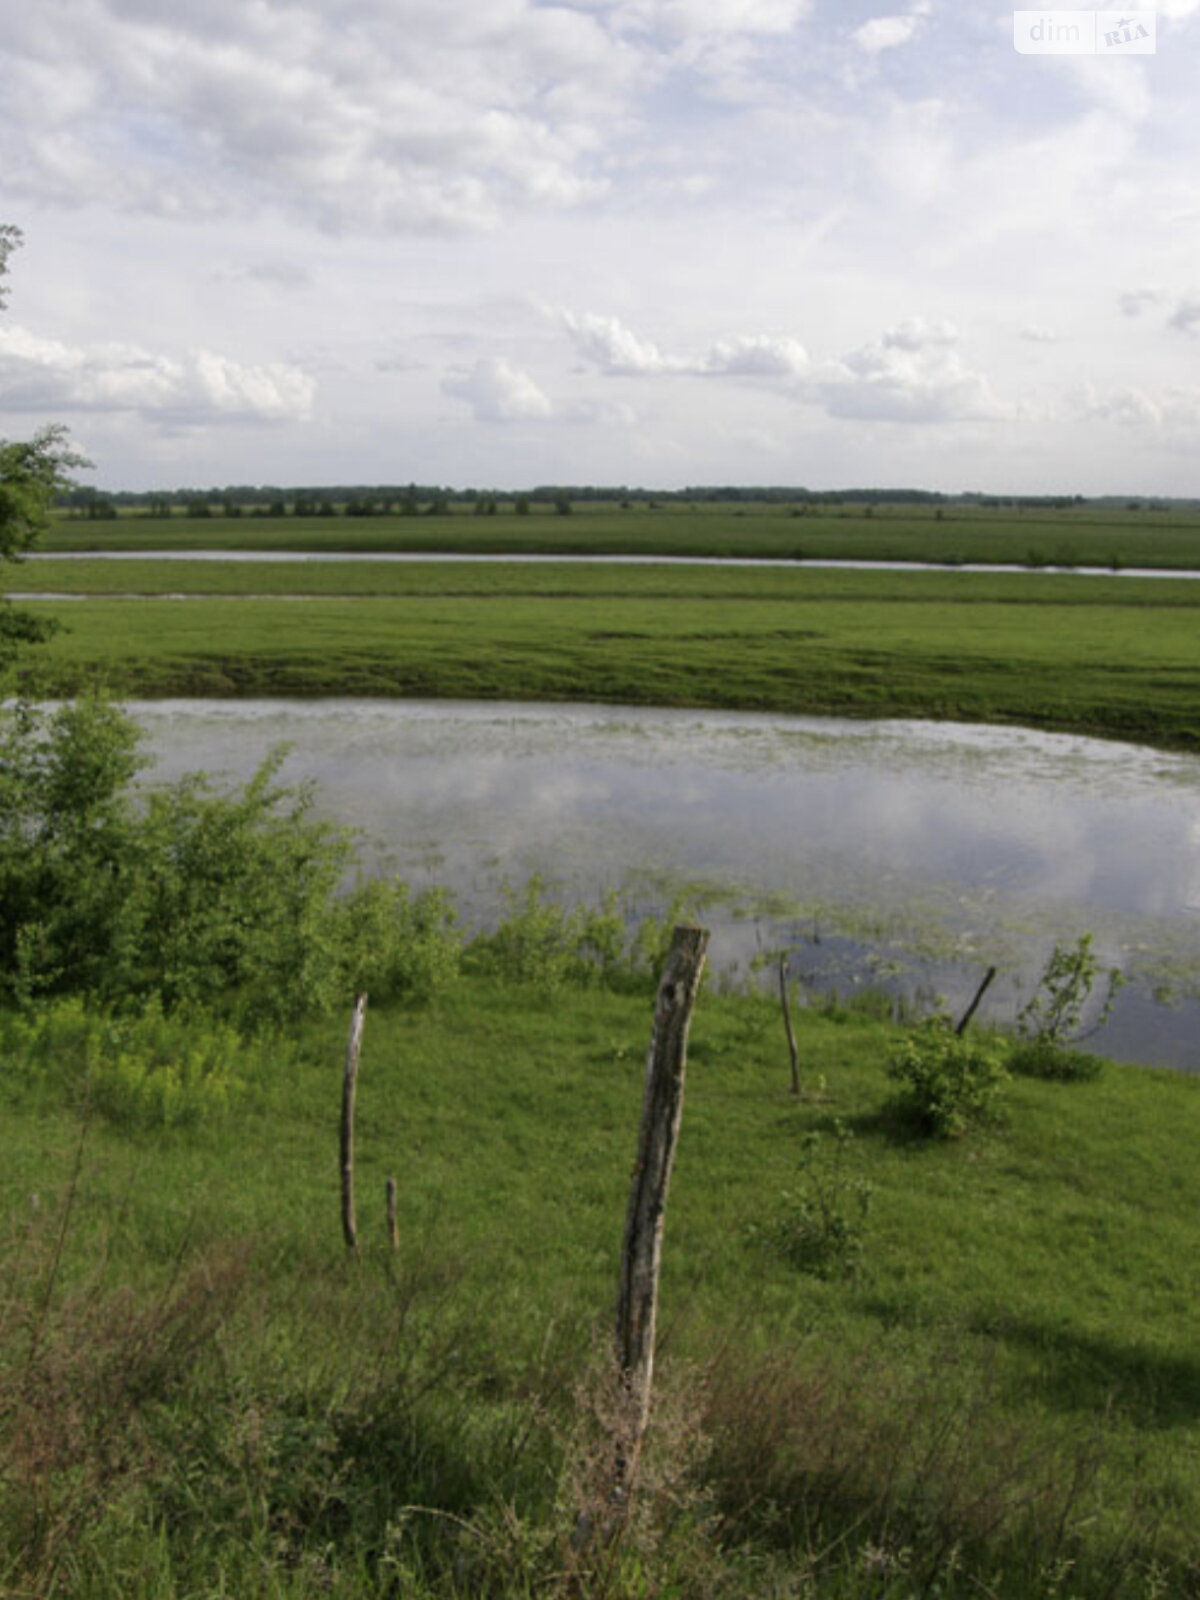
(382, 117)
(497, 391)
(1174, 411)
(915, 333)
(1131, 408)
(756, 356)
(913, 373)
(1033, 334)
(44, 374)
(614, 348)
(685, 19)
(886, 33)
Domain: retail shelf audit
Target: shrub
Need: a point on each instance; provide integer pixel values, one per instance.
(535, 943)
(395, 945)
(947, 1083)
(189, 896)
(1054, 1015)
(1042, 1058)
(232, 900)
(820, 1226)
(541, 943)
(66, 842)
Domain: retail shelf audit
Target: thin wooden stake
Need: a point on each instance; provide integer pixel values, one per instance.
(662, 1111)
(787, 1022)
(349, 1085)
(393, 1228)
(974, 1006)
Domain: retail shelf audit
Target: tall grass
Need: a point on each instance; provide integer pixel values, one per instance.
(199, 1392)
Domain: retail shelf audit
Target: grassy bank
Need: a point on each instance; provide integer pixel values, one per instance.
(201, 1394)
(1113, 656)
(1072, 536)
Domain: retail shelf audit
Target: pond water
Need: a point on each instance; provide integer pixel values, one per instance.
(904, 854)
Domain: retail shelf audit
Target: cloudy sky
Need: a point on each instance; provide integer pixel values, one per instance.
(654, 242)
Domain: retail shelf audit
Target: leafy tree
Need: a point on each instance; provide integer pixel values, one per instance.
(65, 845)
(32, 473)
(184, 896)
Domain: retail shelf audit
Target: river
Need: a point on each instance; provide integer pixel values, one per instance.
(906, 855)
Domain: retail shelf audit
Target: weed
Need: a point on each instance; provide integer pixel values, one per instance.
(75, 1412)
(145, 1070)
(869, 1472)
(1054, 1015)
(820, 1227)
(947, 1083)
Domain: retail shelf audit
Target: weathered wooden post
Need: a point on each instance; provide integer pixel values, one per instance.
(787, 1023)
(974, 1006)
(349, 1085)
(392, 1226)
(662, 1110)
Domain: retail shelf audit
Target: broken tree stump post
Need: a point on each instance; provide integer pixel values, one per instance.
(349, 1085)
(787, 1023)
(392, 1226)
(641, 1254)
(974, 1006)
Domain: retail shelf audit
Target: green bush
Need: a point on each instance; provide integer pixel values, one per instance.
(231, 901)
(543, 944)
(947, 1084)
(1042, 1058)
(820, 1226)
(394, 945)
(67, 840)
(184, 895)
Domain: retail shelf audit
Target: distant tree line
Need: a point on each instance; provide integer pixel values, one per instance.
(413, 499)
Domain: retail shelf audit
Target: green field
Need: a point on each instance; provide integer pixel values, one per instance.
(1076, 536)
(981, 1385)
(203, 1395)
(1112, 656)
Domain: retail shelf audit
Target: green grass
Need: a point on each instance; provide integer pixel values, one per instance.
(262, 1409)
(1117, 657)
(1082, 535)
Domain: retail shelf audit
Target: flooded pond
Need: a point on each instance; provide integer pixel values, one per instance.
(905, 855)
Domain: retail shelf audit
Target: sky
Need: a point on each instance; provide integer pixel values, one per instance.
(661, 243)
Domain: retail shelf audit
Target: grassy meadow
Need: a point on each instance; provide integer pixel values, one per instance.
(891, 1365)
(1076, 535)
(1104, 655)
(998, 1393)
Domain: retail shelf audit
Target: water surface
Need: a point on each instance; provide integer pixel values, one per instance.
(917, 853)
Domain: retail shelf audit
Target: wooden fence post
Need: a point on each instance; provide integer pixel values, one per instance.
(787, 1022)
(349, 1085)
(974, 1006)
(662, 1110)
(392, 1226)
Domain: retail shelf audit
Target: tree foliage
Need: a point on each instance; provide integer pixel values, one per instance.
(183, 895)
(32, 472)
